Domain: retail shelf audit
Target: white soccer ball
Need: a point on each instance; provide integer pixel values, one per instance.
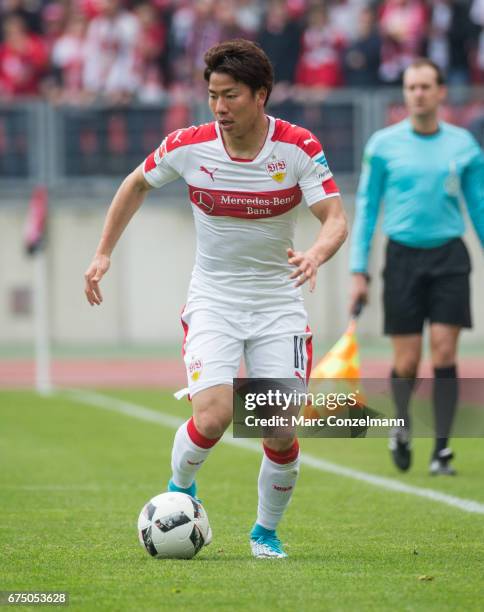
(173, 526)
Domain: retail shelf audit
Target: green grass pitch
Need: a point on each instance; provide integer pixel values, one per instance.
(74, 478)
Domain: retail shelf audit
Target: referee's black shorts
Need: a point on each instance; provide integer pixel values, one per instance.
(426, 284)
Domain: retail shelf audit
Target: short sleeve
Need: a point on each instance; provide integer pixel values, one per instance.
(157, 169)
(316, 179)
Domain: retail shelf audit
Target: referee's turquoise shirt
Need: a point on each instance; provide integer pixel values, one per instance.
(422, 180)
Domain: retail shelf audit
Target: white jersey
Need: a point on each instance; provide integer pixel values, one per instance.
(245, 210)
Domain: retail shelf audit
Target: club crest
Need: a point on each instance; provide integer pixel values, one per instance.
(277, 170)
(195, 368)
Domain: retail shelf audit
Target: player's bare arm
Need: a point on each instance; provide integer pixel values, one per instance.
(333, 232)
(126, 202)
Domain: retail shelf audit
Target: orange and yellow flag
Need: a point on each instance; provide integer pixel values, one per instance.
(342, 362)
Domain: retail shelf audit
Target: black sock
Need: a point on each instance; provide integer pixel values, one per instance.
(445, 398)
(402, 389)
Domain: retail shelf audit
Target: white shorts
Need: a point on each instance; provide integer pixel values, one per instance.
(273, 344)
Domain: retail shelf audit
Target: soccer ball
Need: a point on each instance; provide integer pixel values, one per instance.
(173, 526)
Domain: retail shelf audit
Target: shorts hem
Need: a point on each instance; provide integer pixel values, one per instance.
(388, 331)
(464, 324)
(194, 389)
(400, 332)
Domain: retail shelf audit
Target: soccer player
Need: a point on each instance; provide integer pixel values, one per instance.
(246, 173)
(421, 168)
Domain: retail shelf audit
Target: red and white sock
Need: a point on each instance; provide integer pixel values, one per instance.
(277, 479)
(190, 449)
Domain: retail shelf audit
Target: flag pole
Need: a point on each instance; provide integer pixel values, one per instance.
(43, 382)
(355, 313)
(35, 243)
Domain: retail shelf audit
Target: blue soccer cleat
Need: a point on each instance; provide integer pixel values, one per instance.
(265, 544)
(191, 490)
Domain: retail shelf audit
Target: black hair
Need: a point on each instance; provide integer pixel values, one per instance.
(244, 61)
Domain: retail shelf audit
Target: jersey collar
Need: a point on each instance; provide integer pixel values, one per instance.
(261, 153)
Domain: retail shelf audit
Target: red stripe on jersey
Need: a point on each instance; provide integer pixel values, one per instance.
(245, 204)
(150, 163)
(283, 457)
(309, 353)
(199, 439)
(330, 186)
(293, 134)
(185, 332)
(194, 134)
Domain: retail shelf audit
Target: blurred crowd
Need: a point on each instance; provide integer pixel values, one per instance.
(77, 51)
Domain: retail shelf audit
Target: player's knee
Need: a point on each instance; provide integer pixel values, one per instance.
(443, 353)
(211, 422)
(407, 368)
(443, 359)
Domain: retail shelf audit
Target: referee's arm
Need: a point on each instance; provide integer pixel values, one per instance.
(367, 205)
(370, 191)
(473, 190)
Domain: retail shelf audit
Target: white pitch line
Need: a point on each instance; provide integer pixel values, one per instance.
(152, 416)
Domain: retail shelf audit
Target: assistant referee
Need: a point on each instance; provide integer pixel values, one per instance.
(422, 169)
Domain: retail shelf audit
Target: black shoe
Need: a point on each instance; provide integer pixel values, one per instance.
(399, 445)
(440, 463)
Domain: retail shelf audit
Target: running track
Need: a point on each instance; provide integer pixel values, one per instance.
(160, 373)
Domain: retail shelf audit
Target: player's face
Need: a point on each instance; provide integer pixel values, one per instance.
(422, 92)
(233, 104)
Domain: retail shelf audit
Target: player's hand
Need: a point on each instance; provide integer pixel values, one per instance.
(98, 268)
(306, 268)
(358, 291)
